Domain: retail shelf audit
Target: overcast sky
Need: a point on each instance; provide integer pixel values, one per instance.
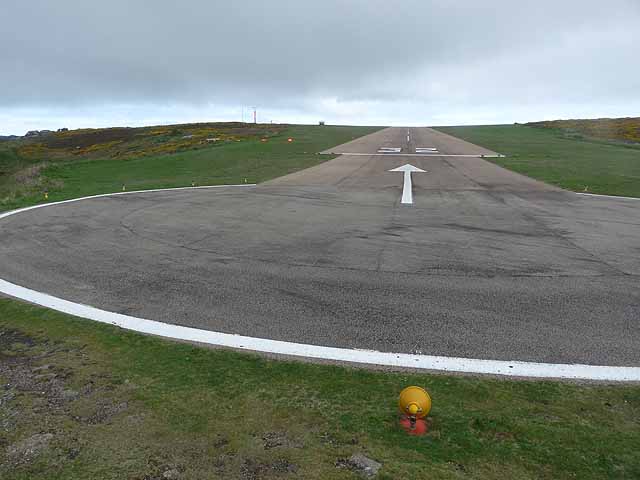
(83, 63)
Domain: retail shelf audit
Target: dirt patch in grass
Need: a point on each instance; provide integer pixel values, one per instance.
(30, 176)
(63, 411)
(43, 398)
(88, 137)
(9, 339)
(279, 439)
(254, 470)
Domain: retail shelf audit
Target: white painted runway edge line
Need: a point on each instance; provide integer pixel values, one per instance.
(371, 357)
(71, 200)
(617, 197)
(430, 362)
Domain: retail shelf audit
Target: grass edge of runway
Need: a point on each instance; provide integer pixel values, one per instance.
(580, 165)
(249, 160)
(226, 413)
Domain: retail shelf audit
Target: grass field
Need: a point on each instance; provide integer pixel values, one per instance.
(549, 155)
(86, 401)
(150, 159)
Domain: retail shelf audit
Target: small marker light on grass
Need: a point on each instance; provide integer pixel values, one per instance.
(414, 404)
(46, 195)
(123, 187)
(289, 139)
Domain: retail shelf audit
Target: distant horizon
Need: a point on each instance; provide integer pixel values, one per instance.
(170, 123)
(148, 125)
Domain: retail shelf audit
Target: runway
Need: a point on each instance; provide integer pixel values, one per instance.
(483, 264)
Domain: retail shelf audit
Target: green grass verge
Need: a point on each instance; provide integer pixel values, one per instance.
(248, 160)
(547, 155)
(116, 404)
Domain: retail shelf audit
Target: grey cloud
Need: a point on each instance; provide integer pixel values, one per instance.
(299, 54)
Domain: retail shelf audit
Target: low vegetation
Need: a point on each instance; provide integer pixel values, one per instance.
(623, 130)
(84, 400)
(85, 162)
(108, 143)
(550, 155)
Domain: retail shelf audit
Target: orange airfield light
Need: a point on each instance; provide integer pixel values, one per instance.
(414, 403)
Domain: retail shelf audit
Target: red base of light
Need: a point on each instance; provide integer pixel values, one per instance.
(420, 427)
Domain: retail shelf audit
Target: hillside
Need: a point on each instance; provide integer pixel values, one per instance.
(25, 160)
(625, 130)
(74, 163)
(136, 142)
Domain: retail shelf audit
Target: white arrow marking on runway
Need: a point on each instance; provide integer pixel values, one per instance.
(407, 193)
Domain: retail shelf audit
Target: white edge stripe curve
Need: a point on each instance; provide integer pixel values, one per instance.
(617, 197)
(428, 362)
(71, 200)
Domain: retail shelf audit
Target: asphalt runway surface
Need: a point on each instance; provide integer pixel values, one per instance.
(485, 263)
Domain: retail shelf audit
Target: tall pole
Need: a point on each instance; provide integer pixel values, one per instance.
(255, 116)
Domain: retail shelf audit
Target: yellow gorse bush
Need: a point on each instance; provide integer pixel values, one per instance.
(618, 129)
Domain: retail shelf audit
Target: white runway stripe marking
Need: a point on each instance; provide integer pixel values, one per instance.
(434, 154)
(389, 149)
(371, 357)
